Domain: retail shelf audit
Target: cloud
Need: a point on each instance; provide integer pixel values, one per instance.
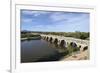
(34, 13)
(69, 18)
(29, 11)
(26, 20)
(58, 16)
(55, 21)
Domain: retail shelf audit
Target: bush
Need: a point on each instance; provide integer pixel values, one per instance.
(71, 49)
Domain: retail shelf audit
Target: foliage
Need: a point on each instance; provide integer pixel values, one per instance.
(77, 34)
(71, 49)
(28, 35)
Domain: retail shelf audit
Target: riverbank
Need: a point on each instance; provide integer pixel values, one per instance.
(83, 55)
(30, 38)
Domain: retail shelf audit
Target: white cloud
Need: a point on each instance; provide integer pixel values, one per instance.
(58, 16)
(28, 12)
(26, 20)
(69, 18)
(60, 21)
(37, 13)
(34, 13)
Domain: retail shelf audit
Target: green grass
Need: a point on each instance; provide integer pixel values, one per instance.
(71, 50)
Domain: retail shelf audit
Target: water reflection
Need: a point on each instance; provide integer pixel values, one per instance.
(39, 51)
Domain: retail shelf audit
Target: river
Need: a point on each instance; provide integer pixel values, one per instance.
(39, 51)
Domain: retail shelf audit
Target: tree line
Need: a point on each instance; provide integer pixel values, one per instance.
(77, 34)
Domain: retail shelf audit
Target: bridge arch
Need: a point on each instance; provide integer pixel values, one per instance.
(56, 41)
(51, 39)
(44, 37)
(80, 46)
(62, 43)
(47, 38)
(85, 48)
(73, 44)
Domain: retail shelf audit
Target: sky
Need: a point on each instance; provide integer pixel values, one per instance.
(54, 21)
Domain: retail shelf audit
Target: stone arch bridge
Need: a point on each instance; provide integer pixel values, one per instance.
(64, 41)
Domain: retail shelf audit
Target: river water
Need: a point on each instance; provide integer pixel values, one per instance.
(38, 51)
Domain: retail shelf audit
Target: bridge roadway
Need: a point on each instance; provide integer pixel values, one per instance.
(67, 40)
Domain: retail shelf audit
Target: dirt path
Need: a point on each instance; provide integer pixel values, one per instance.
(84, 55)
